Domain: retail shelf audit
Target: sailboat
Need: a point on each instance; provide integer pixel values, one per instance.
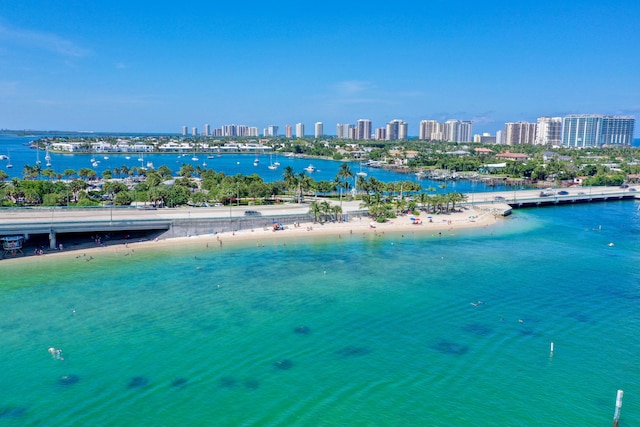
(9, 165)
(48, 158)
(272, 165)
(276, 163)
(256, 162)
(363, 174)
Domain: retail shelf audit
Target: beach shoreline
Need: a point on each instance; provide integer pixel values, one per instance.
(442, 224)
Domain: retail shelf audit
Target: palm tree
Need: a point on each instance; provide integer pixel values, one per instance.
(68, 173)
(315, 210)
(290, 180)
(343, 176)
(304, 183)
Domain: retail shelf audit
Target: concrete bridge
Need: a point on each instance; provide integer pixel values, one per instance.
(176, 222)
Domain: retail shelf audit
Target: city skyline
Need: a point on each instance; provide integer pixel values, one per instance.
(127, 67)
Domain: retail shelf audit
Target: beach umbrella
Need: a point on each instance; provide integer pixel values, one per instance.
(412, 219)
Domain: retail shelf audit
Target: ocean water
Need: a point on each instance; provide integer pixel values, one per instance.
(393, 330)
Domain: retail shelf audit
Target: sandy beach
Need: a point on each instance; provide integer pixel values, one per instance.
(440, 224)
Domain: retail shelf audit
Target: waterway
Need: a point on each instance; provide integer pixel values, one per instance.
(393, 330)
(20, 154)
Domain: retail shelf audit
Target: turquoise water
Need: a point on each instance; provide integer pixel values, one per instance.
(356, 331)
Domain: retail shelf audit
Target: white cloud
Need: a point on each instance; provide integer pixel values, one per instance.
(352, 87)
(42, 40)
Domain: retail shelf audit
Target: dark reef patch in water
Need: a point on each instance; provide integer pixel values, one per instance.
(353, 351)
(527, 332)
(138, 382)
(284, 364)
(252, 384)
(227, 382)
(302, 330)
(67, 380)
(179, 382)
(10, 412)
(450, 347)
(478, 329)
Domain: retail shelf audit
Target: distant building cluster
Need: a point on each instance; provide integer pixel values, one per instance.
(226, 130)
(574, 130)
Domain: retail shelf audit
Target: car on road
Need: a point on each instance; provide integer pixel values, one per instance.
(252, 213)
(562, 193)
(499, 199)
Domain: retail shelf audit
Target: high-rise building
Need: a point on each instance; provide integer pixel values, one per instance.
(617, 130)
(466, 131)
(194, 131)
(430, 130)
(549, 131)
(184, 131)
(363, 129)
(343, 131)
(207, 130)
(396, 130)
(458, 131)
(519, 133)
(299, 130)
(595, 130)
(271, 130)
(581, 130)
(288, 131)
(381, 134)
(319, 131)
(499, 137)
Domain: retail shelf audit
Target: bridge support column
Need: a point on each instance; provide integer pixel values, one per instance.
(52, 240)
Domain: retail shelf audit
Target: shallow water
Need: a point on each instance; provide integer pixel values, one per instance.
(388, 330)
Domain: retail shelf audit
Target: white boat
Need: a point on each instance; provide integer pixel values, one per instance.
(106, 157)
(127, 157)
(363, 174)
(273, 166)
(94, 164)
(310, 168)
(48, 156)
(195, 158)
(204, 164)
(149, 165)
(3, 157)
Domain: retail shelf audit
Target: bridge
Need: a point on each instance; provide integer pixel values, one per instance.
(176, 222)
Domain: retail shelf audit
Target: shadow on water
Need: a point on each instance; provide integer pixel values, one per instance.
(138, 382)
(478, 329)
(449, 347)
(353, 351)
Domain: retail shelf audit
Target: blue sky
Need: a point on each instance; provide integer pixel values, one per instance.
(141, 66)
